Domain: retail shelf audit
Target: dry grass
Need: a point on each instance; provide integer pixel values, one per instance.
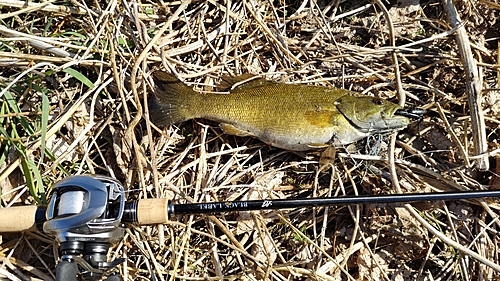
(74, 77)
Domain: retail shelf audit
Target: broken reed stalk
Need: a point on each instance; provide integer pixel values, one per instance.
(473, 87)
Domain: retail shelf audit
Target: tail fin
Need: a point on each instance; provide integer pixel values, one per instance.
(169, 104)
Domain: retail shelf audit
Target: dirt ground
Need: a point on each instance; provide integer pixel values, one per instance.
(74, 82)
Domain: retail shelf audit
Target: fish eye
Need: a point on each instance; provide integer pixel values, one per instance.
(378, 101)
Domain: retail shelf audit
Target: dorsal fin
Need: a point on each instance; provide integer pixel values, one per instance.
(241, 82)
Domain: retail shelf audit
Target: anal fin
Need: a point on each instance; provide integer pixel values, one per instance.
(233, 130)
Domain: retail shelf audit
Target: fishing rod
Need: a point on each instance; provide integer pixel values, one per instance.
(231, 206)
(88, 214)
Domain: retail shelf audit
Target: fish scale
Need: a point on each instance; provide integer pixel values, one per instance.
(293, 117)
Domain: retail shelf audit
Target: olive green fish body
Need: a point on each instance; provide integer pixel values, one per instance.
(293, 117)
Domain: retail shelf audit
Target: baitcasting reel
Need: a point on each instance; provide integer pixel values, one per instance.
(84, 215)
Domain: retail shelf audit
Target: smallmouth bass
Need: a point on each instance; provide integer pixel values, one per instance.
(292, 117)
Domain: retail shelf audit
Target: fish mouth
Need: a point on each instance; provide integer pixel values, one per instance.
(388, 120)
(397, 118)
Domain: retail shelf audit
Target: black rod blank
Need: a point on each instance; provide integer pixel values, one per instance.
(218, 207)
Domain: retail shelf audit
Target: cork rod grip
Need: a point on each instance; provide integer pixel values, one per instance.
(17, 219)
(152, 211)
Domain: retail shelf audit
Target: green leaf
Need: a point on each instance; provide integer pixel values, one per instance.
(45, 122)
(38, 186)
(79, 76)
(14, 107)
(29, 168)
(11, 102)
(76, 34)
(29, 180)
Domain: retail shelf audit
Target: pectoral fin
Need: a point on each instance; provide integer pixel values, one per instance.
(232, 130)
(327, 156)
